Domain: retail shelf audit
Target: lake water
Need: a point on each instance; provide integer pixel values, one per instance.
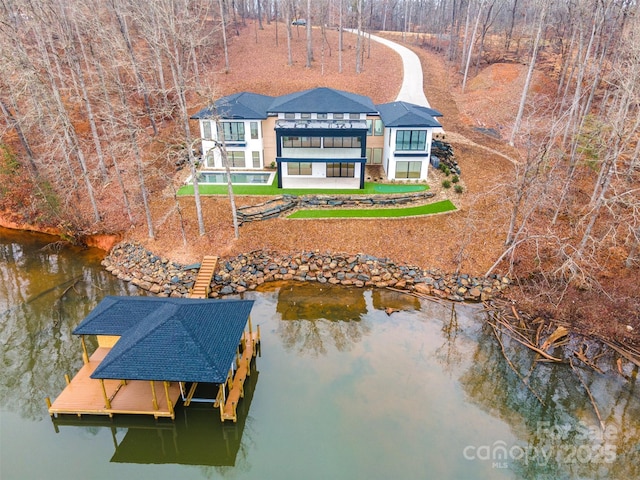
(342, 391)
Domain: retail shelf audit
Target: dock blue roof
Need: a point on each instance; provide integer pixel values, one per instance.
(243, 105)
(322, 100)
(403, 114)
(172, 339)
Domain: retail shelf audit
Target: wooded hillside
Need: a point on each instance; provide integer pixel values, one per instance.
(96, 98)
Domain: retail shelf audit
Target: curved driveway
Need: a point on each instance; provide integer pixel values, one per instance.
(412, 90)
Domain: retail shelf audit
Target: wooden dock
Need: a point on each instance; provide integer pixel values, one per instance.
(202, 285)
(236, 380)
(85, 395)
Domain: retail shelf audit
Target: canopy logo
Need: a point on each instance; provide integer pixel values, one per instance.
(560, 443)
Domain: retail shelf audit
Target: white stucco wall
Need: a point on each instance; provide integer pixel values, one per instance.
(248, 146)
(390, 158)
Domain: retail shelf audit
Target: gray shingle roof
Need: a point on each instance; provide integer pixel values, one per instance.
(246, 105)
(243, 105)
(403, 114)
(173, 339)
(322, 100)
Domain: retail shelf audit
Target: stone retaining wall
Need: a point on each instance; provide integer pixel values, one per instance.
(133, 263)
(284, 203)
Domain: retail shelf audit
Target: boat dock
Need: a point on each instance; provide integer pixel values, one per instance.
(132, 333)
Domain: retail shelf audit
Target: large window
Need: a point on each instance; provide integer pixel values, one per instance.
(408, 169)
(300, 142)
(254, 130)
(299, 168)
(255, 156)
(236, 159)
(232, 131)
(378, 128)
(341, 170)
(374, 155)
(206, 129)
(342, 142)
(411, 140)
(210, 158)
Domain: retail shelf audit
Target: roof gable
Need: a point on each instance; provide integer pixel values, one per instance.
(243, 105)
(178, 339)
(403, 114)
(322, 100)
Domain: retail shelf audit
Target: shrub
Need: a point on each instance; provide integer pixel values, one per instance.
(446, 184)
(458, 188)
(455, 179)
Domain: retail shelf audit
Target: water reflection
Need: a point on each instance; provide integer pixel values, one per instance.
(317, 317)
(449, 354)
(558, 432)
(354, 383)
(43, 294)
(196, 437)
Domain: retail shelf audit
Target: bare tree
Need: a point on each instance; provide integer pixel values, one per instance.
(224, 37)
(481, 4)
(527, 83)
(309, 37)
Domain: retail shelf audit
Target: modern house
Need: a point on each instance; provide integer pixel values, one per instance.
(318, 138)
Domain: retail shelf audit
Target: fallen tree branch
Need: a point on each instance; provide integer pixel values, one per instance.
(504, 354)
(593, 402)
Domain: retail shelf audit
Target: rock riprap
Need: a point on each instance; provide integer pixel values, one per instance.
(133, 263)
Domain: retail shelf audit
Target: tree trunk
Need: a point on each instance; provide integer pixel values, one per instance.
(359, 37)
(309, 38)
(473, 39)
(340, 47)
(287, 19)
(224, 37)
(525, 89)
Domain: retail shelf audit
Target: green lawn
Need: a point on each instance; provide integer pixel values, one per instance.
(369, 188)
(437, 207)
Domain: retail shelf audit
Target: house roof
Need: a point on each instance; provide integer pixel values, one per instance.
(403, 114)
(246, 105)
(322, 100)
(173, 339)
(243, 105)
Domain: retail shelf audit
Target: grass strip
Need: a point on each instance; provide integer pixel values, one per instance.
(267, 190)
(429, 209)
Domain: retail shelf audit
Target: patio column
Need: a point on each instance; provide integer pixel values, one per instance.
(107, 402)
(169, 404)
(85, 354)
(153, 393)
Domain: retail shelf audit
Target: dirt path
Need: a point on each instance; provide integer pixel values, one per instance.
(459, 139)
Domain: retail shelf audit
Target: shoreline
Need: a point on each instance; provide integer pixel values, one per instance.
(134, 263)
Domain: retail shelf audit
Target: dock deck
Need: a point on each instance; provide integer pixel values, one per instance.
(84, 395)
(250, 342)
